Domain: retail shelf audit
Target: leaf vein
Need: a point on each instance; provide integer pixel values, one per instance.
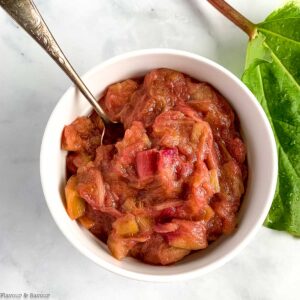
(279, 35)
(288, 160)
(272, 123)
(282, 65)
(276, 20)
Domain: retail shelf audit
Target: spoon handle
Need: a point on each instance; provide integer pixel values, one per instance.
(25, 13)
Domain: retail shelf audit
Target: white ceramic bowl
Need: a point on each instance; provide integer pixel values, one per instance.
(257, 133)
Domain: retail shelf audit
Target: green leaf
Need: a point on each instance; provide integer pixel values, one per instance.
(273, 75)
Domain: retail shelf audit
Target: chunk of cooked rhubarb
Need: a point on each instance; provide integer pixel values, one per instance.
(168, 204)
(201, 138)
(71, 140)
(81, 135)
(168, 159)
(117, 190)
(167, 169)
(166, 227)
(146, 163)
(156, 251)
(215, 109)
(160, 91)
(198, 131)
(126, 226)
(75, 204)
(214, 228)
(86, 222)
(221, 115)
(226, 208)
(135, 140)
(145, 223)
(90, 185)
(117, 96)
(76, 160)
(103, 221)
(104, 155)
(192, 136)
(231, 181)
(200, 191)
(129, 205)
(227, 202)
(237, 149)
(172, 129)
(190, 235)
(111, 211)
(167, 84)
(208, 213)
(214, 180)
(202, 93)
(119, 246)
(188, 111)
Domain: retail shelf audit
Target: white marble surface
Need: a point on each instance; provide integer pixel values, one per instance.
(34, 255)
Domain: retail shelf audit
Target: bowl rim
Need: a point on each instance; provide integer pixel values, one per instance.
(231, 253)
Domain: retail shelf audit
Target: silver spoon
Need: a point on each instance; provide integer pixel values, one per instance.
(25, 13)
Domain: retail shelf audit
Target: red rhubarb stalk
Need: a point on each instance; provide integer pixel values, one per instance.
(234, 16)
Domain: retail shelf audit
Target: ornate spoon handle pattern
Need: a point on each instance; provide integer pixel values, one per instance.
(25, 13)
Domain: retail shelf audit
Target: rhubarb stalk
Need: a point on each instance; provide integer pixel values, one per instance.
(234, 16)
